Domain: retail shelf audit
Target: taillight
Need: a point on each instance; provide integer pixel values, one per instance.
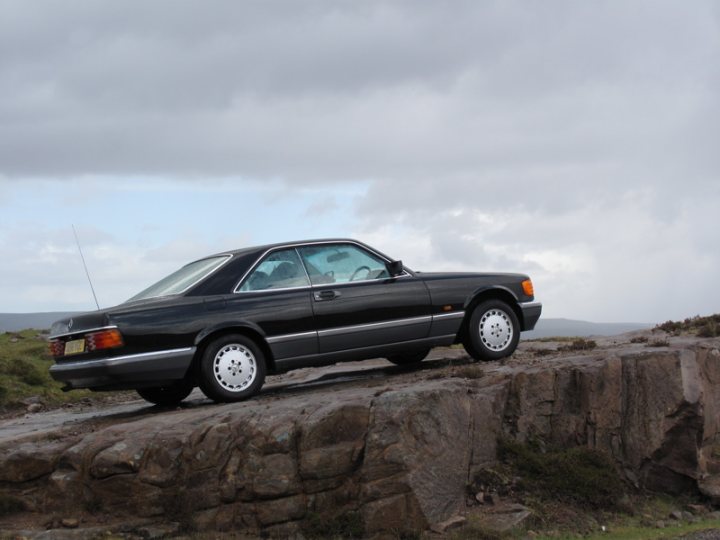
(527, 288)
(57, 347)
(96, 341)
(106, 339)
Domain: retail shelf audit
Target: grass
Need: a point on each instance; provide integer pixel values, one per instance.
(588, 479)
(573, 494)
(579, 344)
(639, 532)
(24, 365)
(708, 326)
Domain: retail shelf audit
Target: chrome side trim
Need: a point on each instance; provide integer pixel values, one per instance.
(453, 315)
(114, 360)
(372, 326)
(302, 244)
(291, 337)
(529, 305)
(83, 332)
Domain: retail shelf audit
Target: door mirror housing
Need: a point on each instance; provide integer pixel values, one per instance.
(394, 268)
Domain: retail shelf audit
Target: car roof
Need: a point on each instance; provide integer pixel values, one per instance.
(267, 247)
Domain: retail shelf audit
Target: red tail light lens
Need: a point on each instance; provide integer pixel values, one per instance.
(107, 339)
(57, 347)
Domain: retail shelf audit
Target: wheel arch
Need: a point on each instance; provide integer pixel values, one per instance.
(482, 295)
(248, 329)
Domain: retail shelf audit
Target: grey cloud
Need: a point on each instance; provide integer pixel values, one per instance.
(580, 131)
(325, 92)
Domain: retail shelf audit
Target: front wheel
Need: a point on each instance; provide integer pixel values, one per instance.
(493, 331)
(232, 368)
(168, 395)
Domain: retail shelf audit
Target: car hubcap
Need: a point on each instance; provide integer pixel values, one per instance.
(235, 367)
(496, 329)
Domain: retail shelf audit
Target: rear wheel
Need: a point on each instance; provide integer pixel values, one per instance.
(232, 368)
(493, 331)
(167, 395)
(407, 358)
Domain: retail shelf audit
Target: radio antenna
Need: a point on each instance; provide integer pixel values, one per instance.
(77, 241)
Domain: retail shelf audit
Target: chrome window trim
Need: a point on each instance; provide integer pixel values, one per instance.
(325, 285)
(227, 257)
(113, 360)
(83, 332)
(237, 290)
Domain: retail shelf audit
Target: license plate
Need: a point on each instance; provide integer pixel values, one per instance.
(75, 346)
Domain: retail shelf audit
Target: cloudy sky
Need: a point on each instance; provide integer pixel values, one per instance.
(574, 141)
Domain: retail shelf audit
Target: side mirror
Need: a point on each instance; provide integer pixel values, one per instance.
(394, 268)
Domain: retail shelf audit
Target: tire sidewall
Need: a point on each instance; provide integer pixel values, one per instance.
(209, 384)
(479, 350)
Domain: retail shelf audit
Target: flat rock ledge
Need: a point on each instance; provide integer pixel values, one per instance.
(399, 455)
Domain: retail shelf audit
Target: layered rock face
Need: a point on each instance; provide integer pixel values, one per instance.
(400, 454)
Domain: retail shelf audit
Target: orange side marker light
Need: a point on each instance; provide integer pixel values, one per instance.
(527, 287)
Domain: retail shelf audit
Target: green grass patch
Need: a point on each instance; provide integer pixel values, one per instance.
(708, 326)
(24, 371)
(579, 344)
(580, 476)
(639, 532)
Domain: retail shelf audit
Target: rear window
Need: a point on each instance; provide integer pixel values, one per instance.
(183, 279)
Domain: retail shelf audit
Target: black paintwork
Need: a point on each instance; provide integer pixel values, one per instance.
(343, 321)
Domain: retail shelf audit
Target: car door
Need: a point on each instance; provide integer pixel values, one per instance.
(357, 304)
(275, 295)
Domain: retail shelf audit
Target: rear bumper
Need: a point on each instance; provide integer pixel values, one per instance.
(531, 313)
(129, 371)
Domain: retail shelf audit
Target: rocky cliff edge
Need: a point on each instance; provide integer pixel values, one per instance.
(397, 449)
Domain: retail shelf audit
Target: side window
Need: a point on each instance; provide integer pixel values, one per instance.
(341, 263)
(279, 270)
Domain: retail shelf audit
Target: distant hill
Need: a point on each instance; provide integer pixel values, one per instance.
(13, 322)
(569, 327)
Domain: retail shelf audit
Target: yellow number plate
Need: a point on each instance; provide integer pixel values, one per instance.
(75, 346)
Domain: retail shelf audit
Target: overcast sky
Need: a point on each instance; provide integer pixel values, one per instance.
(574, 141)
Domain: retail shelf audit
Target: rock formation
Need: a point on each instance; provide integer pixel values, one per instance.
(400, 453)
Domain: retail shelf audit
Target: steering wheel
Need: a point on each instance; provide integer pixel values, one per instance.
(358, 269)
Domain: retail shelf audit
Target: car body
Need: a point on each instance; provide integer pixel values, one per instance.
(225, 321)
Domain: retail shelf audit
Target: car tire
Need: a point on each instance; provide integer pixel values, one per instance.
(168, 395)
(232, 368)
(409, 358)
(493, 331)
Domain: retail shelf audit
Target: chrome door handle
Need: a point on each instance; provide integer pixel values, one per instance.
(322, 296)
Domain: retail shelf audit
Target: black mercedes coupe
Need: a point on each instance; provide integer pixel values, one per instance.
(223, 322)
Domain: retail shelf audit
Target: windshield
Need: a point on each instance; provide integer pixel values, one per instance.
(181, 280)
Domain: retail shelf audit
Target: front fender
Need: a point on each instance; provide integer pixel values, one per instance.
(495, 290)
